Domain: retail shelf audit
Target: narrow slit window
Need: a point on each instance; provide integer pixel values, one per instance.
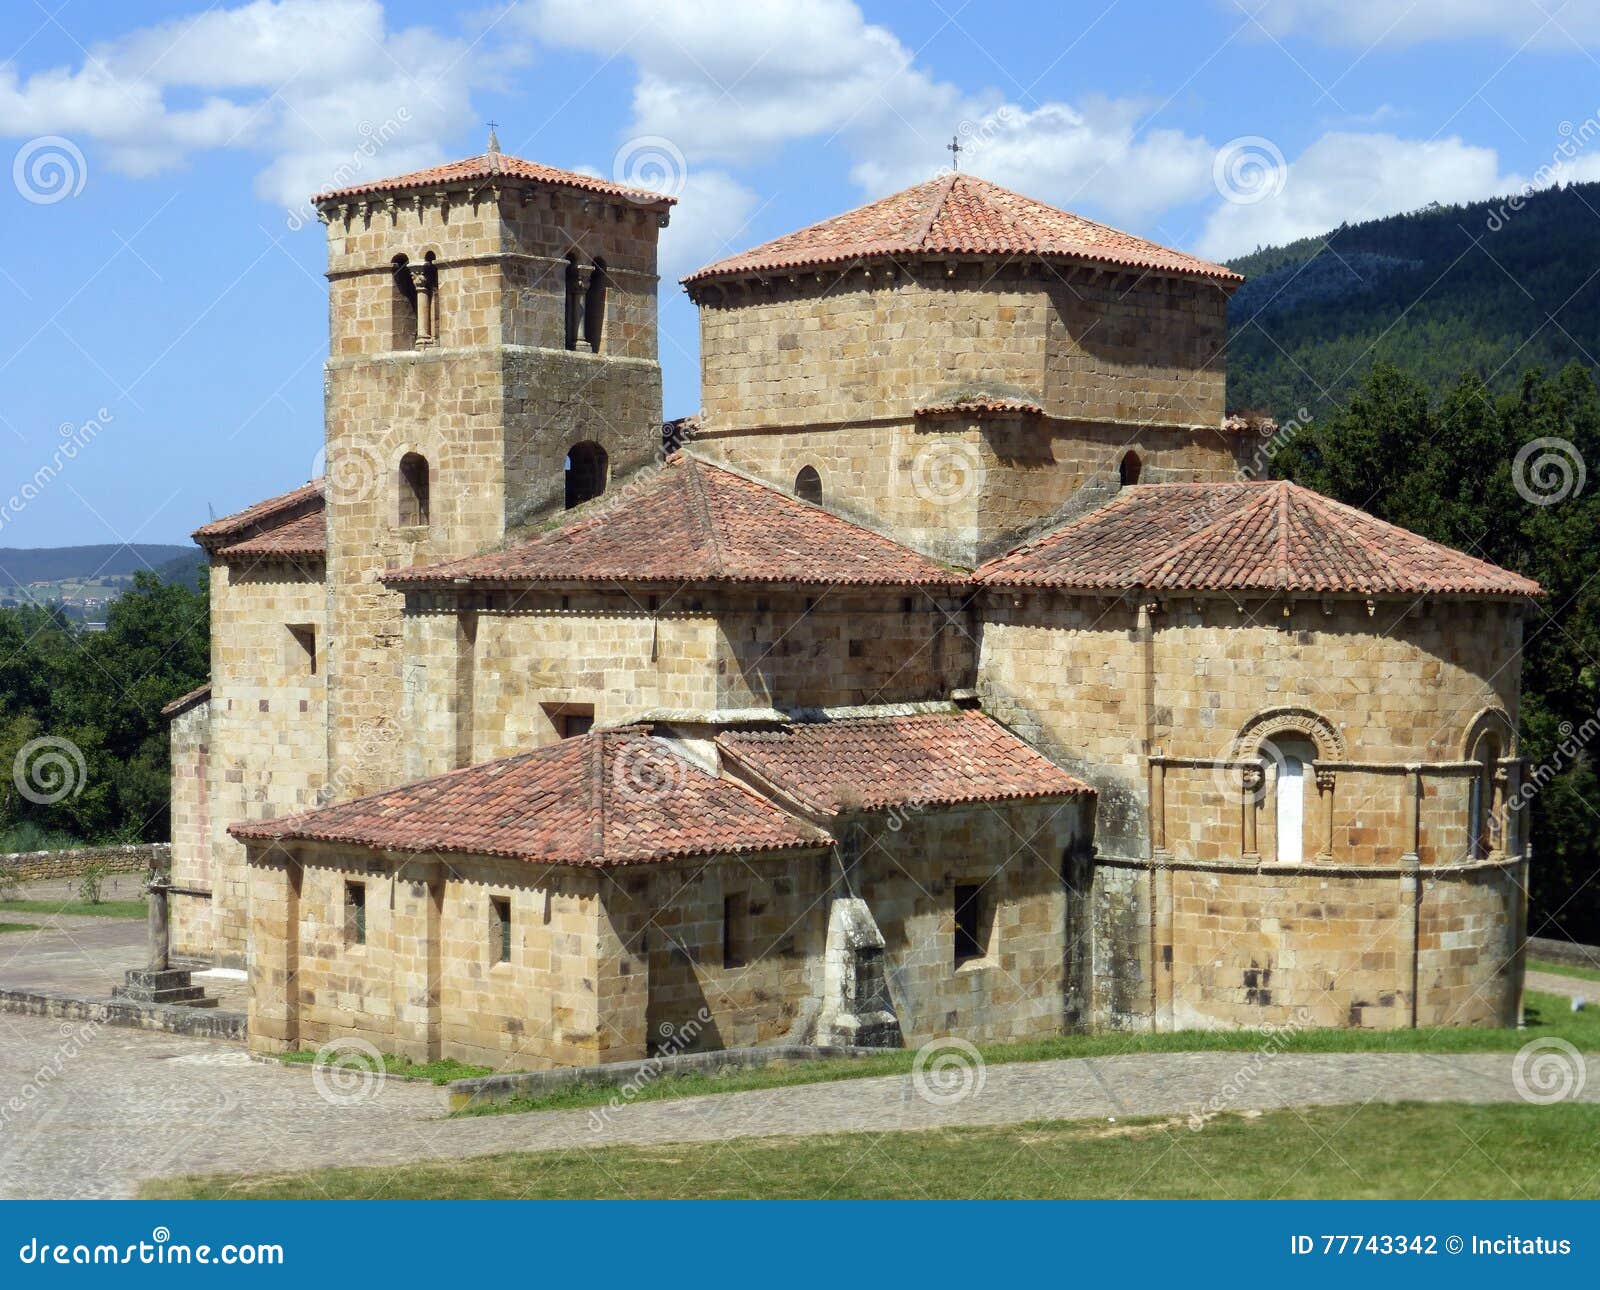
(403, 306)
(413, 490)
(500, 927)
(303, 648)
(808, 485)
(355, 913)
(1130, 469)
(735, 930)
(594, 305)
(971, 933)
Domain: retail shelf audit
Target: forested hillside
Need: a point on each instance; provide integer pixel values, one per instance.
(1491, 289)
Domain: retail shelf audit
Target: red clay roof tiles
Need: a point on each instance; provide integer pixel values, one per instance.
(960, 215)
(1258, 536)
(981, 408)
(608, 798)
(921, 759)
(695, 522)
(295, 515)
(495, 165)
(184, 702)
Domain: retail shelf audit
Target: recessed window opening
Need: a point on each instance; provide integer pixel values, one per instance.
(413, 490)
(355, 913)
(587, 467)
(808, 485)
(500, 927)
(1130, 468)
(594, 304)
(972, 933)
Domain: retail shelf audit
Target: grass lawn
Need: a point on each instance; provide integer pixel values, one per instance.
(1408, 1150)
(1563, 969)
(105, 909)
(1547, 1015)
(439, 1072)
(19, 927)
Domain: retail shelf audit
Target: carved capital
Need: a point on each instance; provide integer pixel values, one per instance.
(1325, 780)
(1253, 777)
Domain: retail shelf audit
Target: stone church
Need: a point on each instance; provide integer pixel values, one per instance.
(948, 674)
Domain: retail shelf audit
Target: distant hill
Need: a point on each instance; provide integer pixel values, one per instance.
(20, 566)
(1440, 291)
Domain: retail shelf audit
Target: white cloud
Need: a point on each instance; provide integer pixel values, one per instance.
(1352, 177)
(720, 209)
(310, 83)
(731, 85)
(1363, 23)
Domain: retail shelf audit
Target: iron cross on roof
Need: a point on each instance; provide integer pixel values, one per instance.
(954, 149)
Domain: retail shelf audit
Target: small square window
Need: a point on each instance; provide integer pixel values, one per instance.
(355, 913)
(573, 724)
(303, 648)
(500, 924)
(972, 925)
(735, 930)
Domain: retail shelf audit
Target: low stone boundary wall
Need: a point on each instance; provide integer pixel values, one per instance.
(1565, 952)
(200, 1023)
(486, 1089)
(31, 866)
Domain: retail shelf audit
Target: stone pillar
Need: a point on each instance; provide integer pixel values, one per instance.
(1325, 782)
(1252, 780)
(1158, 808)
(158, 923)
(424, 279)
(1411, 828)
(1161, 964)
(1408, 949)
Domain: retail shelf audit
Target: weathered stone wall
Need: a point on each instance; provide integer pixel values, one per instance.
(493, 406)
(267, 751)
(38, 866)
(515, 660)
(1468, 965)
(189, 738)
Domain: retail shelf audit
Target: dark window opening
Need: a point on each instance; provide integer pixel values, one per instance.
(735, 930)
(594, 305)
(304, 635)
(586, 473)
(574, 298)
(972, 936)
(574, 723)
(413, 490)
(1128, 471)
(355, 913)
(808, 486)
(403, 309)
(500, 909)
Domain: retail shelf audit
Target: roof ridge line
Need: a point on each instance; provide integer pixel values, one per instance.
(599, 800)
(1282, 544)
(933, 213)
(702, 506)
(1151, 568)
(1382, 563)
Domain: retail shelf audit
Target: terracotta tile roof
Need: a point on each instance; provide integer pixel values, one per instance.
(960, 215)
(491, 165)
(608, 798)
(305, 535)
(1259, 536)
(981, 407)
(695, 522)
(186, 701)
(925, 759)
(297, 514)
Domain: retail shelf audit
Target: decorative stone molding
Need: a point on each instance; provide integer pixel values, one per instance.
(1490, 720)
(1313, 725)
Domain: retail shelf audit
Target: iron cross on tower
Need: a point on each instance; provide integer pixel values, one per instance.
(954, 149)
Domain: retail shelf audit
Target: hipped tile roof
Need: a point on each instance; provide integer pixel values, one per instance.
(960, 215)
(603, 799)
(980, 408)
(695, 522)
(496, 165)
(923, 759)
(288, 524)
(1258, 536)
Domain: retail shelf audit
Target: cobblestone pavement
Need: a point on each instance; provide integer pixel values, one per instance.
(101, 1108)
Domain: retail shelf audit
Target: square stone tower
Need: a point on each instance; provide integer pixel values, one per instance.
(492, 358)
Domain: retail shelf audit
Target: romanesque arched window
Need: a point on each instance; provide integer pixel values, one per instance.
(1291, 755)
(808, 485)
(413, 509)
(587, 465)
(1128, 470)
(594, 304)
(1482, 821)
(574, 300)
(403, 306)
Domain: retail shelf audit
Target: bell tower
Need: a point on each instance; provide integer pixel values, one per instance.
(492, 333)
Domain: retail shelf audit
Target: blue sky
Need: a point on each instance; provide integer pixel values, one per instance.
(163, 284)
